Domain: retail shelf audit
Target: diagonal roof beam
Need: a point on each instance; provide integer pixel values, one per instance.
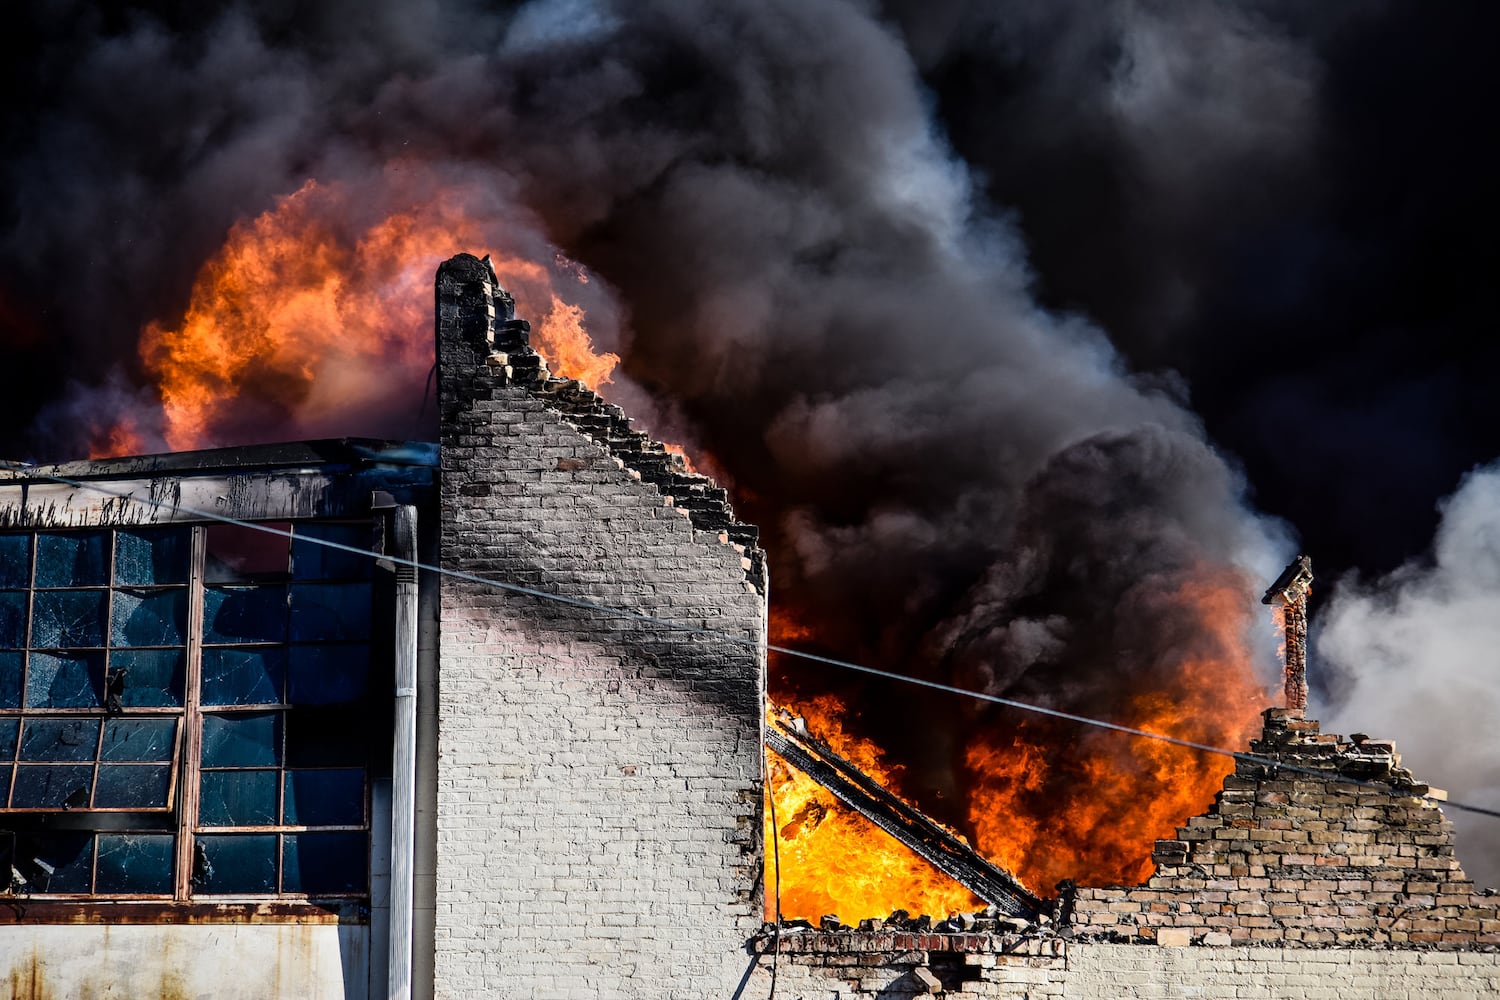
(930, 841)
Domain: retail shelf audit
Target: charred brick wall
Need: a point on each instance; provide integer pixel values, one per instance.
(1292, 853)
(599, 775)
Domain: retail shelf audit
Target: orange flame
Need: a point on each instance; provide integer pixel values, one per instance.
(308, 318)
(833, 860)
(1045, 801)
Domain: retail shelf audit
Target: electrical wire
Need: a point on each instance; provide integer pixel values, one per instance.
(641, 617)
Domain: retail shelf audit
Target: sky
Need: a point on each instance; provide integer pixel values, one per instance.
(990, 313)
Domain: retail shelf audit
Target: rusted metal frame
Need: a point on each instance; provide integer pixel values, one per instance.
(934, 844)
(192, 736)
(160, 910)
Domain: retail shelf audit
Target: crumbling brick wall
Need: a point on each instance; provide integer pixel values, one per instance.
(1292, 854)
(599, 776)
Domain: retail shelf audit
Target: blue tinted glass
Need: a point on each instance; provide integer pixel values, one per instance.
(148, 618)
(5, 773)
(236, 863)
(8, 728)
(15, 560)
(244, 740)
(13, 619)
(252, 676)
(325, 798)
(152, 677)
(324, 863)
(11, 668)
(60, 739)
(238, 798)
(56, 861)
(312, 561)
(73, 559)
(244, 614)
(324, 612)
(157, 555)
(139, 739)
(328, 675)
(235, 554)
(52, 786)
(135, 863)
(65, 680)
(327, 737)
(67, 618)
(133, 786)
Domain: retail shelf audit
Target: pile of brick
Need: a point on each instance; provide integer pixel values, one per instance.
(1295, 852)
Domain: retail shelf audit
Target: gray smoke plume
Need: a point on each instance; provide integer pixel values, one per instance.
(1415, 657)
(956, 479)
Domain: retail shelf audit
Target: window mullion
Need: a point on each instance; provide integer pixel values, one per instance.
(192, 746)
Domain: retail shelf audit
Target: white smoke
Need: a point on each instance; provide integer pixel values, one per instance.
(1415, 657)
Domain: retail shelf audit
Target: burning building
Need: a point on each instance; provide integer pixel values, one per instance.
(360, 718)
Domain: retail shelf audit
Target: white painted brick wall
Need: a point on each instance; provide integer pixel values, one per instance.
(599, 780)
(1095, 971)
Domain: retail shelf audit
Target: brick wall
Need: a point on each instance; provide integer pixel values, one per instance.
(1291, 854)
(818, 966)
(599, 777)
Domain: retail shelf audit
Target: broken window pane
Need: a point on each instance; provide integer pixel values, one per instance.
(238, 863)
(244, 614)
(133, 786)
(312, 561)
(15, 560)
(139, 739)
(330, 611)
(55, 862)
(60, 739)
(252, 676)
(11, 667)
(72, 559)
(152, 677)
(152, 556)
(65, 680)
(251, 739)
(52, 786)
(234, 554)
(328, 675)
(326, 737)
(237, 798)
(324, 863)
(135, 863)
(13, 619)
(325, 798)
(148, 618)
(67, 618)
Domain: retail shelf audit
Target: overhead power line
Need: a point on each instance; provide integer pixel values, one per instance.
(641, 617)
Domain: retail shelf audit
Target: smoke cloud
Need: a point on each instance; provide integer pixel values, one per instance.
(862, 258)
(1413, 657)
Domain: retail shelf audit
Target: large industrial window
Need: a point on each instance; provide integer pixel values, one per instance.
(184, 712)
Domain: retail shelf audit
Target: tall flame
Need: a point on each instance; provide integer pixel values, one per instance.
(307, 316)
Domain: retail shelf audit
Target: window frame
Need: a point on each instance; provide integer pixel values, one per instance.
(181, 818)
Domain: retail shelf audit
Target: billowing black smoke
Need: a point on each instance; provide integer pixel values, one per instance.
(858, 248)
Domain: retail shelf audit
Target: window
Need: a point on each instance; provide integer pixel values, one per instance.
(185, 711)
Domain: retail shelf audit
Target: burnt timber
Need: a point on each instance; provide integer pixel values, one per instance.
(930, 841)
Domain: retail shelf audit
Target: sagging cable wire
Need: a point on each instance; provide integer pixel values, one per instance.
(757, 645)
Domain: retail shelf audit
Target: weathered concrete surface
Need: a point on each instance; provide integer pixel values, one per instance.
(197, 962)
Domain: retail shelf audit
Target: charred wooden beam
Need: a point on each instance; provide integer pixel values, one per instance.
(932, 842)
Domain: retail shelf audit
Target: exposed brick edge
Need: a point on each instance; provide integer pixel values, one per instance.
(894, 942)
(485, 311)
(1285, 858)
